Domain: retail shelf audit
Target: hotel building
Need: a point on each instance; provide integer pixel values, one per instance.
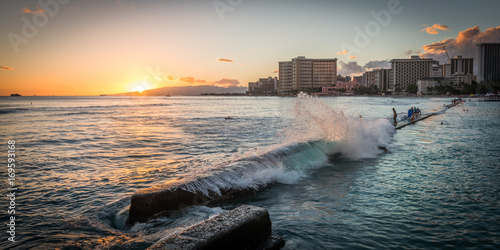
(488, 61)
(305, 73)
(459, 65)
(264, 85)
(377, 77)
(407, 71)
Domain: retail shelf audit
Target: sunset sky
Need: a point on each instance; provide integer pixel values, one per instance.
(64, 47)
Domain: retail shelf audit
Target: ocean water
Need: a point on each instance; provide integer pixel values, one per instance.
(79, 160)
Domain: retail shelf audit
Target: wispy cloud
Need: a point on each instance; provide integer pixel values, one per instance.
(435, 29)
(6, 68)
(343, 52)
(38, 11)
(187, 79)
(191, 80)
(225, 60)
(352, 57)
(276, 71)
(412, 52)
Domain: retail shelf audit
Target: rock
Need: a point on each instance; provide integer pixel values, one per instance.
(245, 227)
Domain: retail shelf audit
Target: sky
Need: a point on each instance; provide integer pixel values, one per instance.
(70, 47)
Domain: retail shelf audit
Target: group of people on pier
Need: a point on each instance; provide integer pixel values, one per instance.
(413, 113)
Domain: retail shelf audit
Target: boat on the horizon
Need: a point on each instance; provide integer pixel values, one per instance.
(16, 94)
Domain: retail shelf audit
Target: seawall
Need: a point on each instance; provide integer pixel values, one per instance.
(245, 227)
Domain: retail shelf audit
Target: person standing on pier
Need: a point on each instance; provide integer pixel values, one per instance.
(395, 116)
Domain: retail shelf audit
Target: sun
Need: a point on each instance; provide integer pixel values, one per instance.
(140, 87)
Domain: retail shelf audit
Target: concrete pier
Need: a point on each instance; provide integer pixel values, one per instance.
(426, 116)
(245, 227)
(413, 122)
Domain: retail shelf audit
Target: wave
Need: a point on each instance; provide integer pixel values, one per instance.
(318, 133)
(12, 110)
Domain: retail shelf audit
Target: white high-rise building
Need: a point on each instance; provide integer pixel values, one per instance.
(407, 71)
(305, 73)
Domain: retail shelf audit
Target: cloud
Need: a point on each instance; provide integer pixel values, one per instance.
(434, 29)
(6, 68)
(170, 77)
(412, 52)
(38, 11)
(188, 79)
(225, 82)
(276, 71)
(225, 60)
(191, 80)
(382, 64)
(352, 57)
(464, 44)
(352, 68)
(343, 52)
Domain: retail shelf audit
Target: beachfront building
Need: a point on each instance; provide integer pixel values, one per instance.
(409, 71)
(370, 78)
(264, 85)
(457, 79)
(426, 83)
(341, 88)
(437, 70)
(377, 77)
(358, 79)
(488, 61)
(285, 76)
(305, 73)
(458, 65)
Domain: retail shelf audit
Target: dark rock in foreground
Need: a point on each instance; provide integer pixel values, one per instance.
(245, 227)
(162, 200)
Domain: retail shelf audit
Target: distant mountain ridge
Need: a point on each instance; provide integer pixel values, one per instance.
(185, 91)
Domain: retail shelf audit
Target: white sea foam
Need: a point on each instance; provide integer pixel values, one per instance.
(356, 136)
